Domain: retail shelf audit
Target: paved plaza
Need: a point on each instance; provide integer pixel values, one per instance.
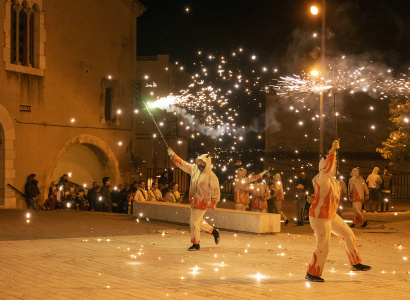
(85, 255)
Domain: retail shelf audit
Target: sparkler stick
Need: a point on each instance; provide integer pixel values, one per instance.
(156, 125)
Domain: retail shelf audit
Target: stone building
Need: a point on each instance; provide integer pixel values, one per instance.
(67, 92)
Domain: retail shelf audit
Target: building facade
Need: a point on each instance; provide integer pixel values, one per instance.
(67, 92)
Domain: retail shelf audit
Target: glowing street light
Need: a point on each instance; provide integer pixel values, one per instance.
(314, 10)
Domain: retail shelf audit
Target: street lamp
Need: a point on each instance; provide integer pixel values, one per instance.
(315, 10)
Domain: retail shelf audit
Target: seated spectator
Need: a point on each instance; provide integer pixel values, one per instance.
(154, 194)
(141, 194)
(173, 195)
(51, 201)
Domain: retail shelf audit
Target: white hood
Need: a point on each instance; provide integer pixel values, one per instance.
(376, 170)
(206, 158)
(355, 172)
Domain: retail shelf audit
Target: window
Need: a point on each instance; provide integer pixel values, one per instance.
(109, 101)
(107, 110)
(25, 37)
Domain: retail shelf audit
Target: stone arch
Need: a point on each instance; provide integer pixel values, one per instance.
(7, 157)
(96, 145)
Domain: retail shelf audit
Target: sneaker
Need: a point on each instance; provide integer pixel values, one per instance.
(194, 247)
(313, 278)
(286, 222)
(360, 267)
(215, 233)
(365, 224)
(352, 225)
(363, 210)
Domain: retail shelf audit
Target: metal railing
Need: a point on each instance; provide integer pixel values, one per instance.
(401, 182)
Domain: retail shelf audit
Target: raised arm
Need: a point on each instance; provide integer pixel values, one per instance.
(183, 165)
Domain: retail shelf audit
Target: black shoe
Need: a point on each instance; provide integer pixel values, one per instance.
(365, 224)
(299, 224)
(215, 233)
(360, 267)
(194, 247)
(352, 225)
(286, 222)
(313, 278)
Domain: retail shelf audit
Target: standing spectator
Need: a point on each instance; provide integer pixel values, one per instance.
(125, 195)
(300, 204)
(258, 191)
(308, 189)
(386, 188)
(163, 180)
(116, 198)
(279, 196)
(373, 181)
(31, 191)
(358, 193)
(173, 195)
(134, 187)
(324, 220)
(269, 197)
(141, 194)
(105, 193)
(63, 181)
(164, 189)
(154, 194)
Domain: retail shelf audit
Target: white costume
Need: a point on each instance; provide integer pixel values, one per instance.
(172, 196)
(242, 188)
(279, 196)
(323, 218)
(154, 195)
(141, 195)
(259, 202)
(358, 193)
(204, 193)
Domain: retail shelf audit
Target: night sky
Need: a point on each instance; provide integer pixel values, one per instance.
(280, 35)
(273, 29)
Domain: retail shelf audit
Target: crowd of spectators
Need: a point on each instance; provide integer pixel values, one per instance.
(104, 198)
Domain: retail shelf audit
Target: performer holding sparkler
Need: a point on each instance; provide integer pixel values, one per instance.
(324, 220)
(204, 193)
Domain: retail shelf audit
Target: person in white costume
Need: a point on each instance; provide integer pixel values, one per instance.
(173, 195)
(324, 220)
(242, 188)
(154, 194)
(204, 193)
(278, 197)
(358, 193)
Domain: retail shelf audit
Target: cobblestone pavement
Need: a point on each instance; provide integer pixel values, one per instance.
(86, 255)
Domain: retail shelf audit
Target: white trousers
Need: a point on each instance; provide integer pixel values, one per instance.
(197, 223)
(323, 229)
(241, 206)
(278, 208)
(358, 218)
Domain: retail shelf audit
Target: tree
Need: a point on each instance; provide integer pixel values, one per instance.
(397, 146)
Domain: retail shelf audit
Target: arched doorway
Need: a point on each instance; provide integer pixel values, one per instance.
(88, 159)
(7, 155)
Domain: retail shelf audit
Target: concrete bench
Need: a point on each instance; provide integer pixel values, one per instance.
(247, 221)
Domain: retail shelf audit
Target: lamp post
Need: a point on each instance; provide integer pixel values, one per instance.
(315, 10)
